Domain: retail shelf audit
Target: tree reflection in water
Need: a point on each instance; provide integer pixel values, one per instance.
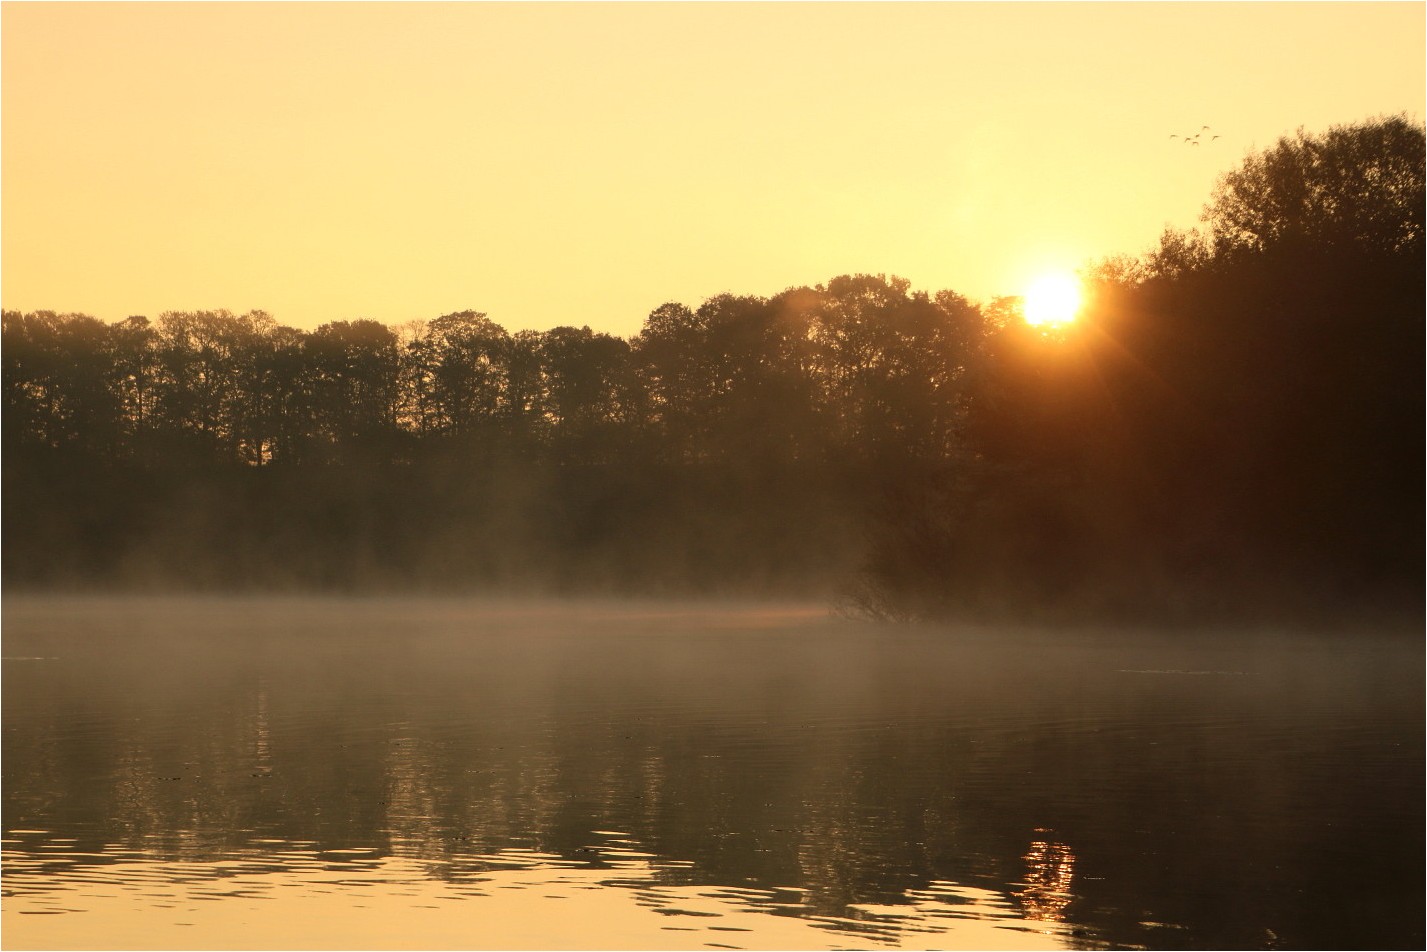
(881, 782)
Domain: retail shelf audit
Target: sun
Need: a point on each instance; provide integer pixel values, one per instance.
(1052, 299)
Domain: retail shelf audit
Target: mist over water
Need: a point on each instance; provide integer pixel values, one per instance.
(1107, 610)
(445, 773)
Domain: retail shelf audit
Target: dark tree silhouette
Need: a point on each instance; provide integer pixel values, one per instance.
(1235, 425)
(589, 393)
(1354, 188)
(457, 371)
(352, 385)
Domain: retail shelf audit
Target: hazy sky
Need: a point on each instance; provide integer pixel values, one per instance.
(583, 163)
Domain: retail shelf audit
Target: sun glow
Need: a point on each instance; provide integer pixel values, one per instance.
(1052, 299)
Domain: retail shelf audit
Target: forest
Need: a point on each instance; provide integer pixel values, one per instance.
(1232, 430)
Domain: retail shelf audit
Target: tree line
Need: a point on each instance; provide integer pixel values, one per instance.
(1233, 425)
(859, 366)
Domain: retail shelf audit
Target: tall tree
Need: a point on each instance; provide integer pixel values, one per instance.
(1353, 188)
(590, 393)
(353, 368)
(458, 366)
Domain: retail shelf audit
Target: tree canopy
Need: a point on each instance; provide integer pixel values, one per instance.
(1237, 418)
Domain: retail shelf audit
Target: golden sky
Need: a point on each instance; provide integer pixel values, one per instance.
(583, 163)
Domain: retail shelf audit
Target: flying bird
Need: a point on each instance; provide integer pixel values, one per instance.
(1212, 138)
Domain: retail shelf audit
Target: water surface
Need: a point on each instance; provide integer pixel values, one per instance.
(307, 773)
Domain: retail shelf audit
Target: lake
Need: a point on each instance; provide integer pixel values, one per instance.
(367, 773)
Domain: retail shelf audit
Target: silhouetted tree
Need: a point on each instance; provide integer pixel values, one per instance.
(1238, 416)
(1356, 188)
(1274, 378)
(458, 370)
(892, 365)
(527, 415)
(590, 393)
(672, 359)
(131, 343)
(353, 383)
(208, 402)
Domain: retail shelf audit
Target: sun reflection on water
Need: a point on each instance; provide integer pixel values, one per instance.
(683, 781)
(1050, 867)
(295, 895)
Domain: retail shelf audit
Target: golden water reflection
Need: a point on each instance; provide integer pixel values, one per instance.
(857, 787)
(295, 896)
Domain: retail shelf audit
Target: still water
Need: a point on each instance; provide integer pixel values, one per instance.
(309, 773)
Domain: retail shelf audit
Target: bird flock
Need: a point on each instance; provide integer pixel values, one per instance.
(1194, 139)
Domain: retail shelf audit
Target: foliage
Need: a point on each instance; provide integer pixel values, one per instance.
(1235, 423)
(1356, 187)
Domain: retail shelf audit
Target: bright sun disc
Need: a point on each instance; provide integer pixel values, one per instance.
(1053, 299)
